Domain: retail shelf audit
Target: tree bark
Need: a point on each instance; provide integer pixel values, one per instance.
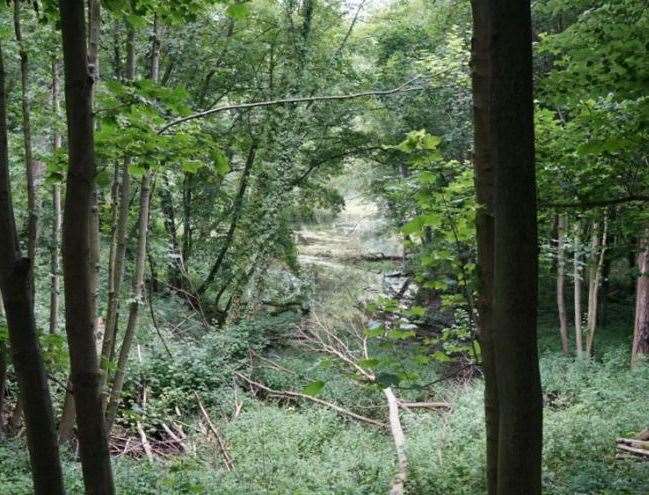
(134, 308)
(32, 199)
(77, 256)
(18, 300)
(484, 182)
(55, 263)
(140, 263)
(561, 282)
(3, 375)
(598, 253)
(119, 240)
(577, 278)
(516, 249)
(641, 329)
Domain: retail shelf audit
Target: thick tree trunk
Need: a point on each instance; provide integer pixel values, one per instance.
(641, 330)
(577, 278)
(516, 249)
(77, 256)
(32, 199)
(26, 354)
(561, 282)
(484, 179)
(598, 253)
(57, 223)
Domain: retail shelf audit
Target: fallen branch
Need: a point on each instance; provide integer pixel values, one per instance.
(399, 443)
(627, 448)
(298, 395)
(227, 459)
(634, 442)
(424, 405)
(145, 442)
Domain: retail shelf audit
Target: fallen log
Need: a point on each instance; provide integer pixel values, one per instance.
(398, 485)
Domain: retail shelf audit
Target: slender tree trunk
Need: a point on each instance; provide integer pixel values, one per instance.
(598, 253)
(77, 256)
(561, 282)
(484, 178)
(577, 277)
(55, 266)
(140, 264)
(237, 208)
(520, 435)
(32, 199)
(134, 307)
(119, 240)
(18, 300)
(641, 330)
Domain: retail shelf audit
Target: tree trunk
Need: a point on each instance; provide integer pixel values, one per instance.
(561, 282)
(26, 354)
(137, 301)
(3, 376)
(641, 329)
(55, 266)
(598, 253)
(237, 208)
(140, 264)
(484, 181)
(32, 200)
(577, 277)
(77, 256)
(119, 240)
(516, 249)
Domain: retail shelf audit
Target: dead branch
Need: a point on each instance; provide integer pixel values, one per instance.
(399, 443)
(424, 405)
(227, 459)
(145, 442)
(634, 450)
(297, 395)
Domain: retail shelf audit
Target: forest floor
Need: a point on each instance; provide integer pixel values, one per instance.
(280, 446)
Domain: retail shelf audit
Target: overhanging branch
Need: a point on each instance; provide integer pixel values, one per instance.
(404, 88)
(598, 203)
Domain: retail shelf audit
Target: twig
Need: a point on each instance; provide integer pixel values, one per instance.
(292, 394)
(227, 460)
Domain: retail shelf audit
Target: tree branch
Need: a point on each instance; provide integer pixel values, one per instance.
(405, 87)
(597, 203)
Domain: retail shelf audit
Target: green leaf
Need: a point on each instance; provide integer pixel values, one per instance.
(314, 388)
(191, 167)
(103, 179)
(238, 11)
(136, 170)
(369, 363)
(441, 357)
(387, 379)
